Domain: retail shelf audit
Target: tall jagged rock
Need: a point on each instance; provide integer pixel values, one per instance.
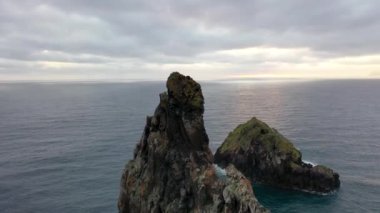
(172, 169)
(264, 155)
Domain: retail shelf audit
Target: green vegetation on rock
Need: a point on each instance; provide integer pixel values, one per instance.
(264, 155)
(256, 131)
(185, 90)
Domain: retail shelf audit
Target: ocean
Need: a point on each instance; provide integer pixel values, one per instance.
(63, 146)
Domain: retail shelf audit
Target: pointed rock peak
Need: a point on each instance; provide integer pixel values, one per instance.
(172, 169)
(185, 93)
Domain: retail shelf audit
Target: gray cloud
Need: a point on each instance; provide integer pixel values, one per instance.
(181, 32)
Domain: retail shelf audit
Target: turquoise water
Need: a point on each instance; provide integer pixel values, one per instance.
(63, 146)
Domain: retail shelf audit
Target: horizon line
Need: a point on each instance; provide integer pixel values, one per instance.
(243, 79)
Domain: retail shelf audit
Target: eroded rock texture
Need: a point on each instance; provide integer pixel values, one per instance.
(172, 169)
(264, 155)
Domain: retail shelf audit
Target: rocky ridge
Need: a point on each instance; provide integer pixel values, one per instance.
(172, 169)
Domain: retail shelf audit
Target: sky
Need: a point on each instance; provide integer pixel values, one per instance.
(210, 40)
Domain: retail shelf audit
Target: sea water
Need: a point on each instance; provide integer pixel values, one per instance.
(63, 146)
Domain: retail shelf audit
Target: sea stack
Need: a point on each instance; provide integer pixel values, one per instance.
(262, 154)
(172, 169)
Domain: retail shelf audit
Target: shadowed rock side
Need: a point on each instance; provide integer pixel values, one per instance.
(264, 155)
(172, 169)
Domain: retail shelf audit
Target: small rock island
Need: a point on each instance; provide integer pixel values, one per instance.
(172, 169)
(264, 155)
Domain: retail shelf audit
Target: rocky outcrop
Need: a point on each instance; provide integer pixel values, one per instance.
(264, 155)
(172, 169)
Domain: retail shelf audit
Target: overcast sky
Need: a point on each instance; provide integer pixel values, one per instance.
(139, 39)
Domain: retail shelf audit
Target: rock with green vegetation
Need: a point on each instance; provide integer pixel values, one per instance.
(186, 93)
(172, 169)
(264, 155)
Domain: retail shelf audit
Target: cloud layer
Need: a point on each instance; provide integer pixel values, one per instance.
(117, 40)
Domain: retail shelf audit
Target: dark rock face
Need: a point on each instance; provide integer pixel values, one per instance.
(264, 155)
(172, 169)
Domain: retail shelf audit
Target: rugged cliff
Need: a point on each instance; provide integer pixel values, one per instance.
(264, 155)
(172, 169)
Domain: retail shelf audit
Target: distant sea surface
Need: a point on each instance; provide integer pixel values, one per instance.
(63, 146)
